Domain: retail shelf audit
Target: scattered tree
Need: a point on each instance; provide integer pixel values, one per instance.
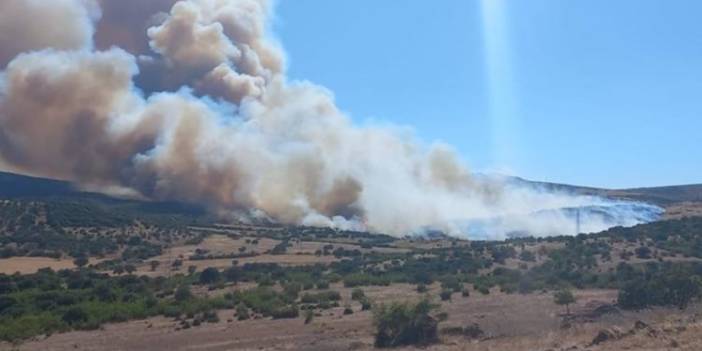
(130, 268)
(564, 297)
(209, 276)
(80, 261)
(445, 295)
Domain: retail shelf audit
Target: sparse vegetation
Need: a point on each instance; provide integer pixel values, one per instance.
(647, 274)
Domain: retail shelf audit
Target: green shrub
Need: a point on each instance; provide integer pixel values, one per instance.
(401, 324)
(172, 311)
(451, 283)
(564, 297)
(333, 277)
(357, 294)
(74, 315)
(242, 312)
(211, 317)
(676, 288)
(80, 261)
(309, 316)
(321, 297)
(29, 325)
(292, 290)
(209, 276)
(472, 331)
(262, 300)
(363, 279)
(482, 289)
(643, 252)
(366, 303)
(527, 256)
(289, 311)
(183, 293)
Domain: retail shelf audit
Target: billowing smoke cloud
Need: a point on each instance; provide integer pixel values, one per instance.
(189, 101)
(124, 23)
(27, 25)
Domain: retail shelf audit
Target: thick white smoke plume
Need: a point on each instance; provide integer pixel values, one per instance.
(188, 100)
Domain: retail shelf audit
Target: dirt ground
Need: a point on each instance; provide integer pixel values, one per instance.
(510, 322)
(29, 265)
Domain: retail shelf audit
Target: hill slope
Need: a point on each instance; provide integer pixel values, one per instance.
(63, 200)
(661, 196)
(678, 199)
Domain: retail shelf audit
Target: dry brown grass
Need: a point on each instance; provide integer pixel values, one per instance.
(511, 322)
(29, 265)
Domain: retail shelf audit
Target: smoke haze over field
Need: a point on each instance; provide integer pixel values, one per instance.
(189, 101)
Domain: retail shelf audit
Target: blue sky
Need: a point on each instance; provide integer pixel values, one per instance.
(593, 92)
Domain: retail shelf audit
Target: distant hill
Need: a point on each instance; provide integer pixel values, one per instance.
(662, 196)
(13, 186)
(665, 195)
(63, 197)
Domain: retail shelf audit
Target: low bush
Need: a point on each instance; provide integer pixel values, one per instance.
(242, 312)
(357, 294)
(321, 297)
(289, 311)
(401, 324)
